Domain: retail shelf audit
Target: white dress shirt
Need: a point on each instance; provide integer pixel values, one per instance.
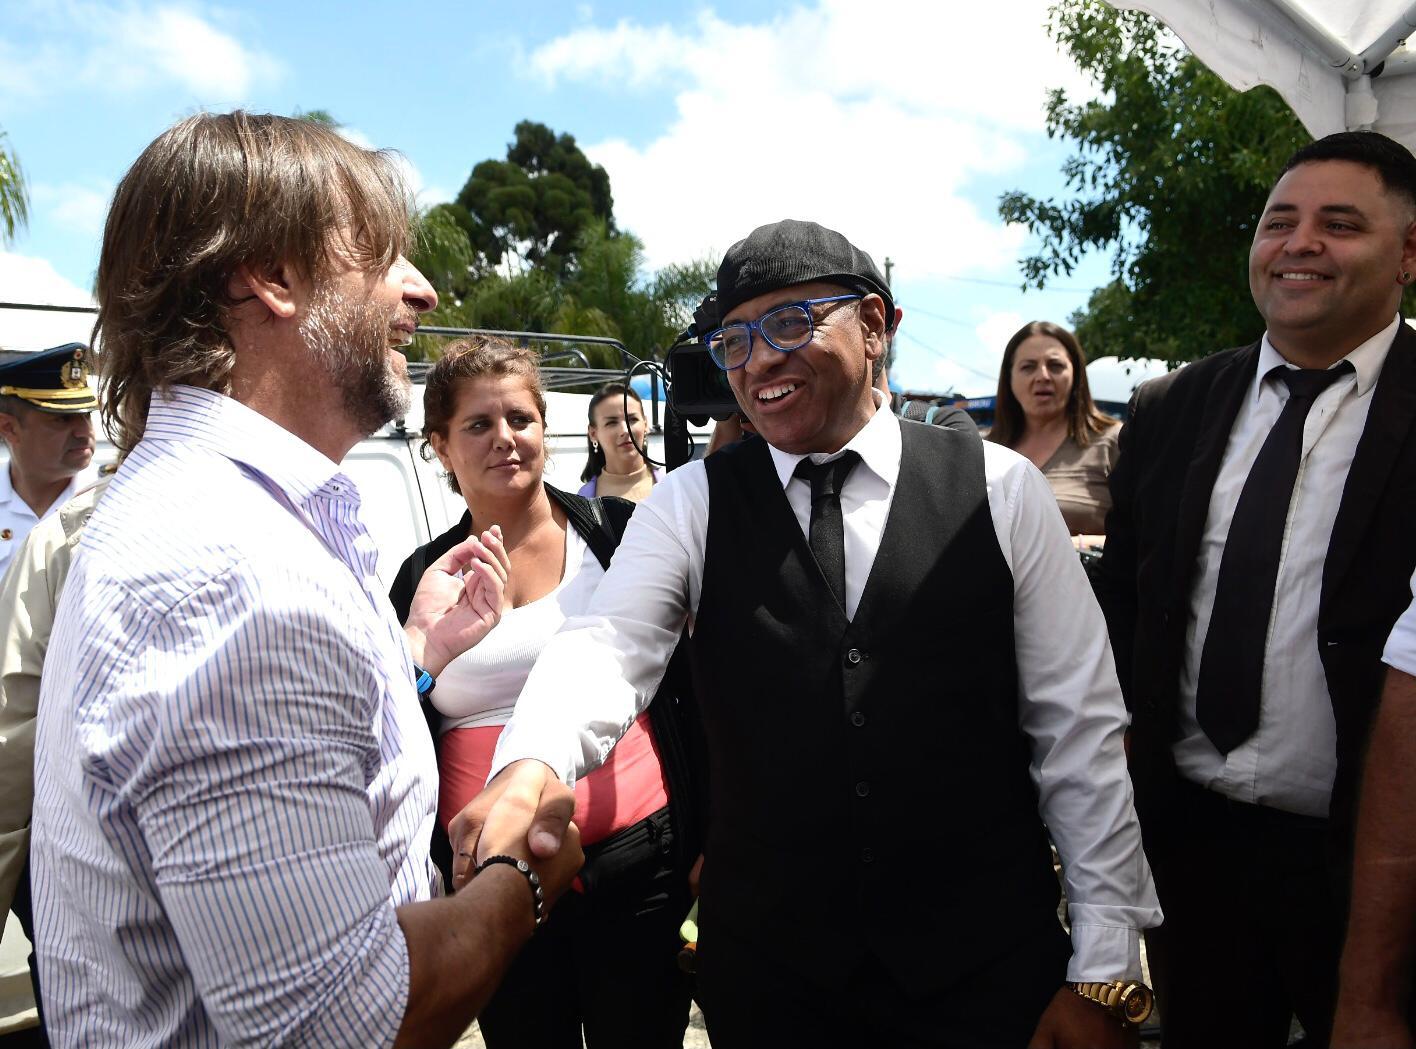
(234, 786)
(603, 668)
(1290, 760)
(16, 517)
(1401, 645)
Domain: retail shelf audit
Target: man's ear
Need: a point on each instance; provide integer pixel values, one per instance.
(871, 313)
(274, 287)
(9, 427)
(1408, 251)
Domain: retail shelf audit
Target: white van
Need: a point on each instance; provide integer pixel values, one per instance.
(405, 498)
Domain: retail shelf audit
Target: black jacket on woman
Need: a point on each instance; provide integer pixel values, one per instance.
(673, 718)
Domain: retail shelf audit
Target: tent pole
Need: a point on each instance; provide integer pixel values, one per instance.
(1389, 41)
(1317, 37)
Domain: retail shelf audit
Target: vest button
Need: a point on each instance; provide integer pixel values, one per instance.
(866, 856)
(862, 789)
(854, 656)
(857, 718)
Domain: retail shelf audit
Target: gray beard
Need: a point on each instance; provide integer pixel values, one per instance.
(349, 342)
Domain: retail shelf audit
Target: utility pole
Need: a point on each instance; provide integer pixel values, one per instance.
(888, 267)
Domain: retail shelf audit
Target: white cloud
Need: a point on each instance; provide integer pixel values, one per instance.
(995, 330)
(129, 46)
(424, 195)
(186, 48)
(871, 119)
(78, 208)
(34, 280)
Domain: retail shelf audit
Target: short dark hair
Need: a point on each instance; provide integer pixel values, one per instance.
(1392, 162)
(16, 406)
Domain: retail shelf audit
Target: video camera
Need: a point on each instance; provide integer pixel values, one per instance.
(699, 389)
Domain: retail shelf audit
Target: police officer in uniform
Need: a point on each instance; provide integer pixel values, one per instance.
(45, 404)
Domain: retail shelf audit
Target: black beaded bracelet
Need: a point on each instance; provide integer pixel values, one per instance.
(538, 898)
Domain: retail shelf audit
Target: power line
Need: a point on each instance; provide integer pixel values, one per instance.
(1010, 284)
(943, 356)
(935, 316)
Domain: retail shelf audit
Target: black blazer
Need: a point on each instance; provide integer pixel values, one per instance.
(1170, 455)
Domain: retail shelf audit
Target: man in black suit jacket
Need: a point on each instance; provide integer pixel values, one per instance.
(1257, 555)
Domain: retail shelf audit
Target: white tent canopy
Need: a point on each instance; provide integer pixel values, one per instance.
(1341, 64)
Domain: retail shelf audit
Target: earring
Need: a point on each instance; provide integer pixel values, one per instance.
(594, 446)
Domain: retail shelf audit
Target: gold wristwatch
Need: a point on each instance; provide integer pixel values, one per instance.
(1130, 1001)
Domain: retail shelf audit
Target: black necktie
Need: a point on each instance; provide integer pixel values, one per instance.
(828, 533)
(1232, 663)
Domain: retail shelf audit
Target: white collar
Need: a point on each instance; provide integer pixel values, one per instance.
(877, 443)
(245, 436)
(1367, 359)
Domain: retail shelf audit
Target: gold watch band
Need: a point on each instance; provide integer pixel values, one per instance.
(1130, 1001)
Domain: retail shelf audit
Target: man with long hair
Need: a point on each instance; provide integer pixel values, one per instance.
(233, 786)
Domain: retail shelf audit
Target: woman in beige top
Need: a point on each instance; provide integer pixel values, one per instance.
(1045, 411)
(617, 433)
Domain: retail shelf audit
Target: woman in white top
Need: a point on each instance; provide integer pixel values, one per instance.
(606, 958)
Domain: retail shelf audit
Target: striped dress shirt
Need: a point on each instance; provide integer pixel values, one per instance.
(234, 787)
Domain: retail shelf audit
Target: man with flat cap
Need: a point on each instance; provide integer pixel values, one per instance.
(45, 403)
(876, 869)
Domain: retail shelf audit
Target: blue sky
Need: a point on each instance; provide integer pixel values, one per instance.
(898, 123)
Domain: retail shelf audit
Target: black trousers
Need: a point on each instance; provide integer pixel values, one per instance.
(1252, 930)
(25, 913)
(605, 960)
(751, 1000)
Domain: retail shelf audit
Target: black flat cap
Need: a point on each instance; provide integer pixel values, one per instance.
(53, 380)
(794, 252)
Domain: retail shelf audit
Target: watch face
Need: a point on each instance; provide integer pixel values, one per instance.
(1136, 1003)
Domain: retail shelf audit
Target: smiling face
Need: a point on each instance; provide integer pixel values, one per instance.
(356, 326)
(495, 442)
(813, 399)
(618, 430)
(1042, 378)
(1328, 254)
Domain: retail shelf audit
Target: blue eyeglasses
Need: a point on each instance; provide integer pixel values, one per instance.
(786, 328)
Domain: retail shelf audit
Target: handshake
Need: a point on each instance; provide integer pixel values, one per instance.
(525, 813)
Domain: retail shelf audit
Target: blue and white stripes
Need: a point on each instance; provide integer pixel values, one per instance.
(234, 786)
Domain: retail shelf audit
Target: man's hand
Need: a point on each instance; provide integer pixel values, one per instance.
(524, 807)
(1072, 1022)
(1358, 1027)
(449, 615)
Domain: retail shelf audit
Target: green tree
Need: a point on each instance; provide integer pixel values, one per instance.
(14, 198)
(1171, 171)
(532, 207)
(605, 293)
(318, 116)
(530, 244)
(443, 253)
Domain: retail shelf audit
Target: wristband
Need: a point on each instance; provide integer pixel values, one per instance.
(538, 898)
(423, 681)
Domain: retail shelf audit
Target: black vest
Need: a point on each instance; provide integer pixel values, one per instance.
(869, 783)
